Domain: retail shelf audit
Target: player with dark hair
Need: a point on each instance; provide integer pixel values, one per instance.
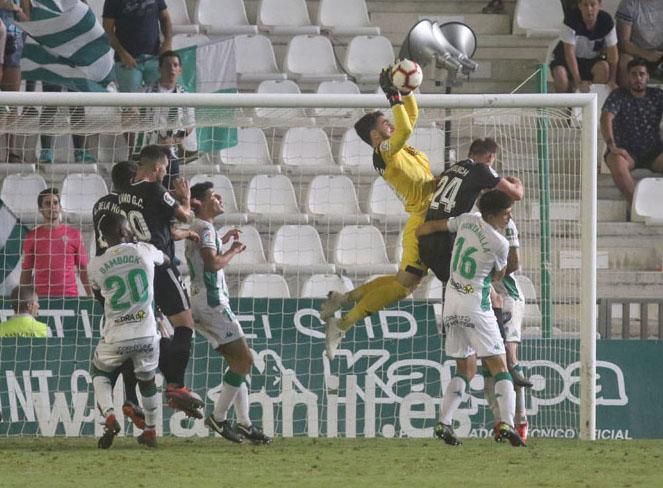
(407, 171)
(214, 318)
(152, 211)
(479, 257)
(123, 277)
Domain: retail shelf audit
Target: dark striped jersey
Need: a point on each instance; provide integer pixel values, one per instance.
(459, 187)
(150, 210)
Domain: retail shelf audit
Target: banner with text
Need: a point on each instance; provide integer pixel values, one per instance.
(385, 381)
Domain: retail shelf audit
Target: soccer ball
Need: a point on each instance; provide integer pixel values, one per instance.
(406, 75)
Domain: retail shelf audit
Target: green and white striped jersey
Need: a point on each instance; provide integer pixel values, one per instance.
(213, 284)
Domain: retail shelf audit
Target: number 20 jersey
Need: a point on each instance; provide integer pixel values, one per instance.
(125, 274)
(459, 187)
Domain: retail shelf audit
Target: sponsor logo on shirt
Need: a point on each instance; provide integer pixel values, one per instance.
(131, 318)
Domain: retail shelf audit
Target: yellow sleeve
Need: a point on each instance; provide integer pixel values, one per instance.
(411, 107)
(402, 129)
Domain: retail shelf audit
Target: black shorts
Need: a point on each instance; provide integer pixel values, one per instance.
(435, 252)
(584, 66)
(642, 159)
(170, 294)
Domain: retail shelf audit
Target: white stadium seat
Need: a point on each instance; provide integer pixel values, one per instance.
(538, 18)
(354, 155)
(285, 17)
(298, 249)
(319, 285)
(255, 59)
(181, 41)
(223, 18)
(646, 206)
(366, 56)
(306, 150)
(293, 117)
(179, 16)
(79, 194)
(252, 259)
(332, 200)
(346, 18)
(360, 250)
(250, 156)
(19, 192)
(340, 87)
(271, 200)
(224, 187)
(310, 59)
(532, 313)
(262, 285)
(383, 204)
(430, 141)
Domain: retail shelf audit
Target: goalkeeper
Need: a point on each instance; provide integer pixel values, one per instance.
(408, 173)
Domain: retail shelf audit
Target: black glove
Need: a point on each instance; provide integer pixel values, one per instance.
(387, 85)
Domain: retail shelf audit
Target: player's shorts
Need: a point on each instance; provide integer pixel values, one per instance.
(144, 353)
(410, 261)
(435, 250)
(513, 327)
(217, 324)
(469, 333)
(169, 292)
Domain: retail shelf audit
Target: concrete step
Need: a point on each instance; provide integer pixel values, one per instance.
(395, 26)
(435, 7)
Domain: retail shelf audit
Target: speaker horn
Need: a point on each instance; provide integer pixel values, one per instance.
(450, 46)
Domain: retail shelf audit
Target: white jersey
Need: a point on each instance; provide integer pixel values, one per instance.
(125, 275)
(212, 283)
(478, 250)
(508, 286)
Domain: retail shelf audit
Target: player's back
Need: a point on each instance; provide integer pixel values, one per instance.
(211, 283)
(459, 187)
(150, 211)
(108, 204)
(124, 275)
(478, 250)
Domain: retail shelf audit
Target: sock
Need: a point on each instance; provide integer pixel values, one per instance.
(521, 410)
(500, 321)
(506, 397)
(453, 397)
(489, 393)
(231, 385)
(241, 404)
(164, 355)
(358, 293)
(386, 290)
(130, 381)
(103, 391)
(150, 402)
(180, 350)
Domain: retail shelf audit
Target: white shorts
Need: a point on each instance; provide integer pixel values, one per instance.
(470, 333)
(513, 327)
(217, 324)
(144, 353)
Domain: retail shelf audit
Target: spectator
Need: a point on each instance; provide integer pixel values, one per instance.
(640, 36)
(133, 30)
(26, 308)
(10, 11)
(53, 252)
(630, 123)
(174, 123)
(587, 52)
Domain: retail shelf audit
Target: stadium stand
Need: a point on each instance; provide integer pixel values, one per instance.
(79, 192)
(366, 56)
(252, 259)
(224, 187)
(360, 250)
(285, 17)
(306, 151)
(297, 249)
(331, 201)
(646, 204)
(259, 285)
(538, 18)
(179, 15)
(319, 285)
(255, 60)
(19, 194)
(250, 156)
(271, 200)
(310, 59)
(223, 18)
(345, 18)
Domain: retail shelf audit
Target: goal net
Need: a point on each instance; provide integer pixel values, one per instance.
(315, 217)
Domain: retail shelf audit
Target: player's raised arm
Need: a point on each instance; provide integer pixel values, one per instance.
(512, 186)
(403, 120)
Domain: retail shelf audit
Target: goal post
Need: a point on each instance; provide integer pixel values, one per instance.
(571, 216)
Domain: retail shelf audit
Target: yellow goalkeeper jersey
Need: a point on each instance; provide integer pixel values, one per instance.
(406, 169)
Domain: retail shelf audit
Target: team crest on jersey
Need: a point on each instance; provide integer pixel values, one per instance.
(384, 146)
(410, 150)
(168, 198)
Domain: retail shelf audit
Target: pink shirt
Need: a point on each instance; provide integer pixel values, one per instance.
(55, 255)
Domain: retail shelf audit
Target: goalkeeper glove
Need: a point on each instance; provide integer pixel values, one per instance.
(387, 85)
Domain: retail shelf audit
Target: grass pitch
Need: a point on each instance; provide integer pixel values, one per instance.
(338, 463)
